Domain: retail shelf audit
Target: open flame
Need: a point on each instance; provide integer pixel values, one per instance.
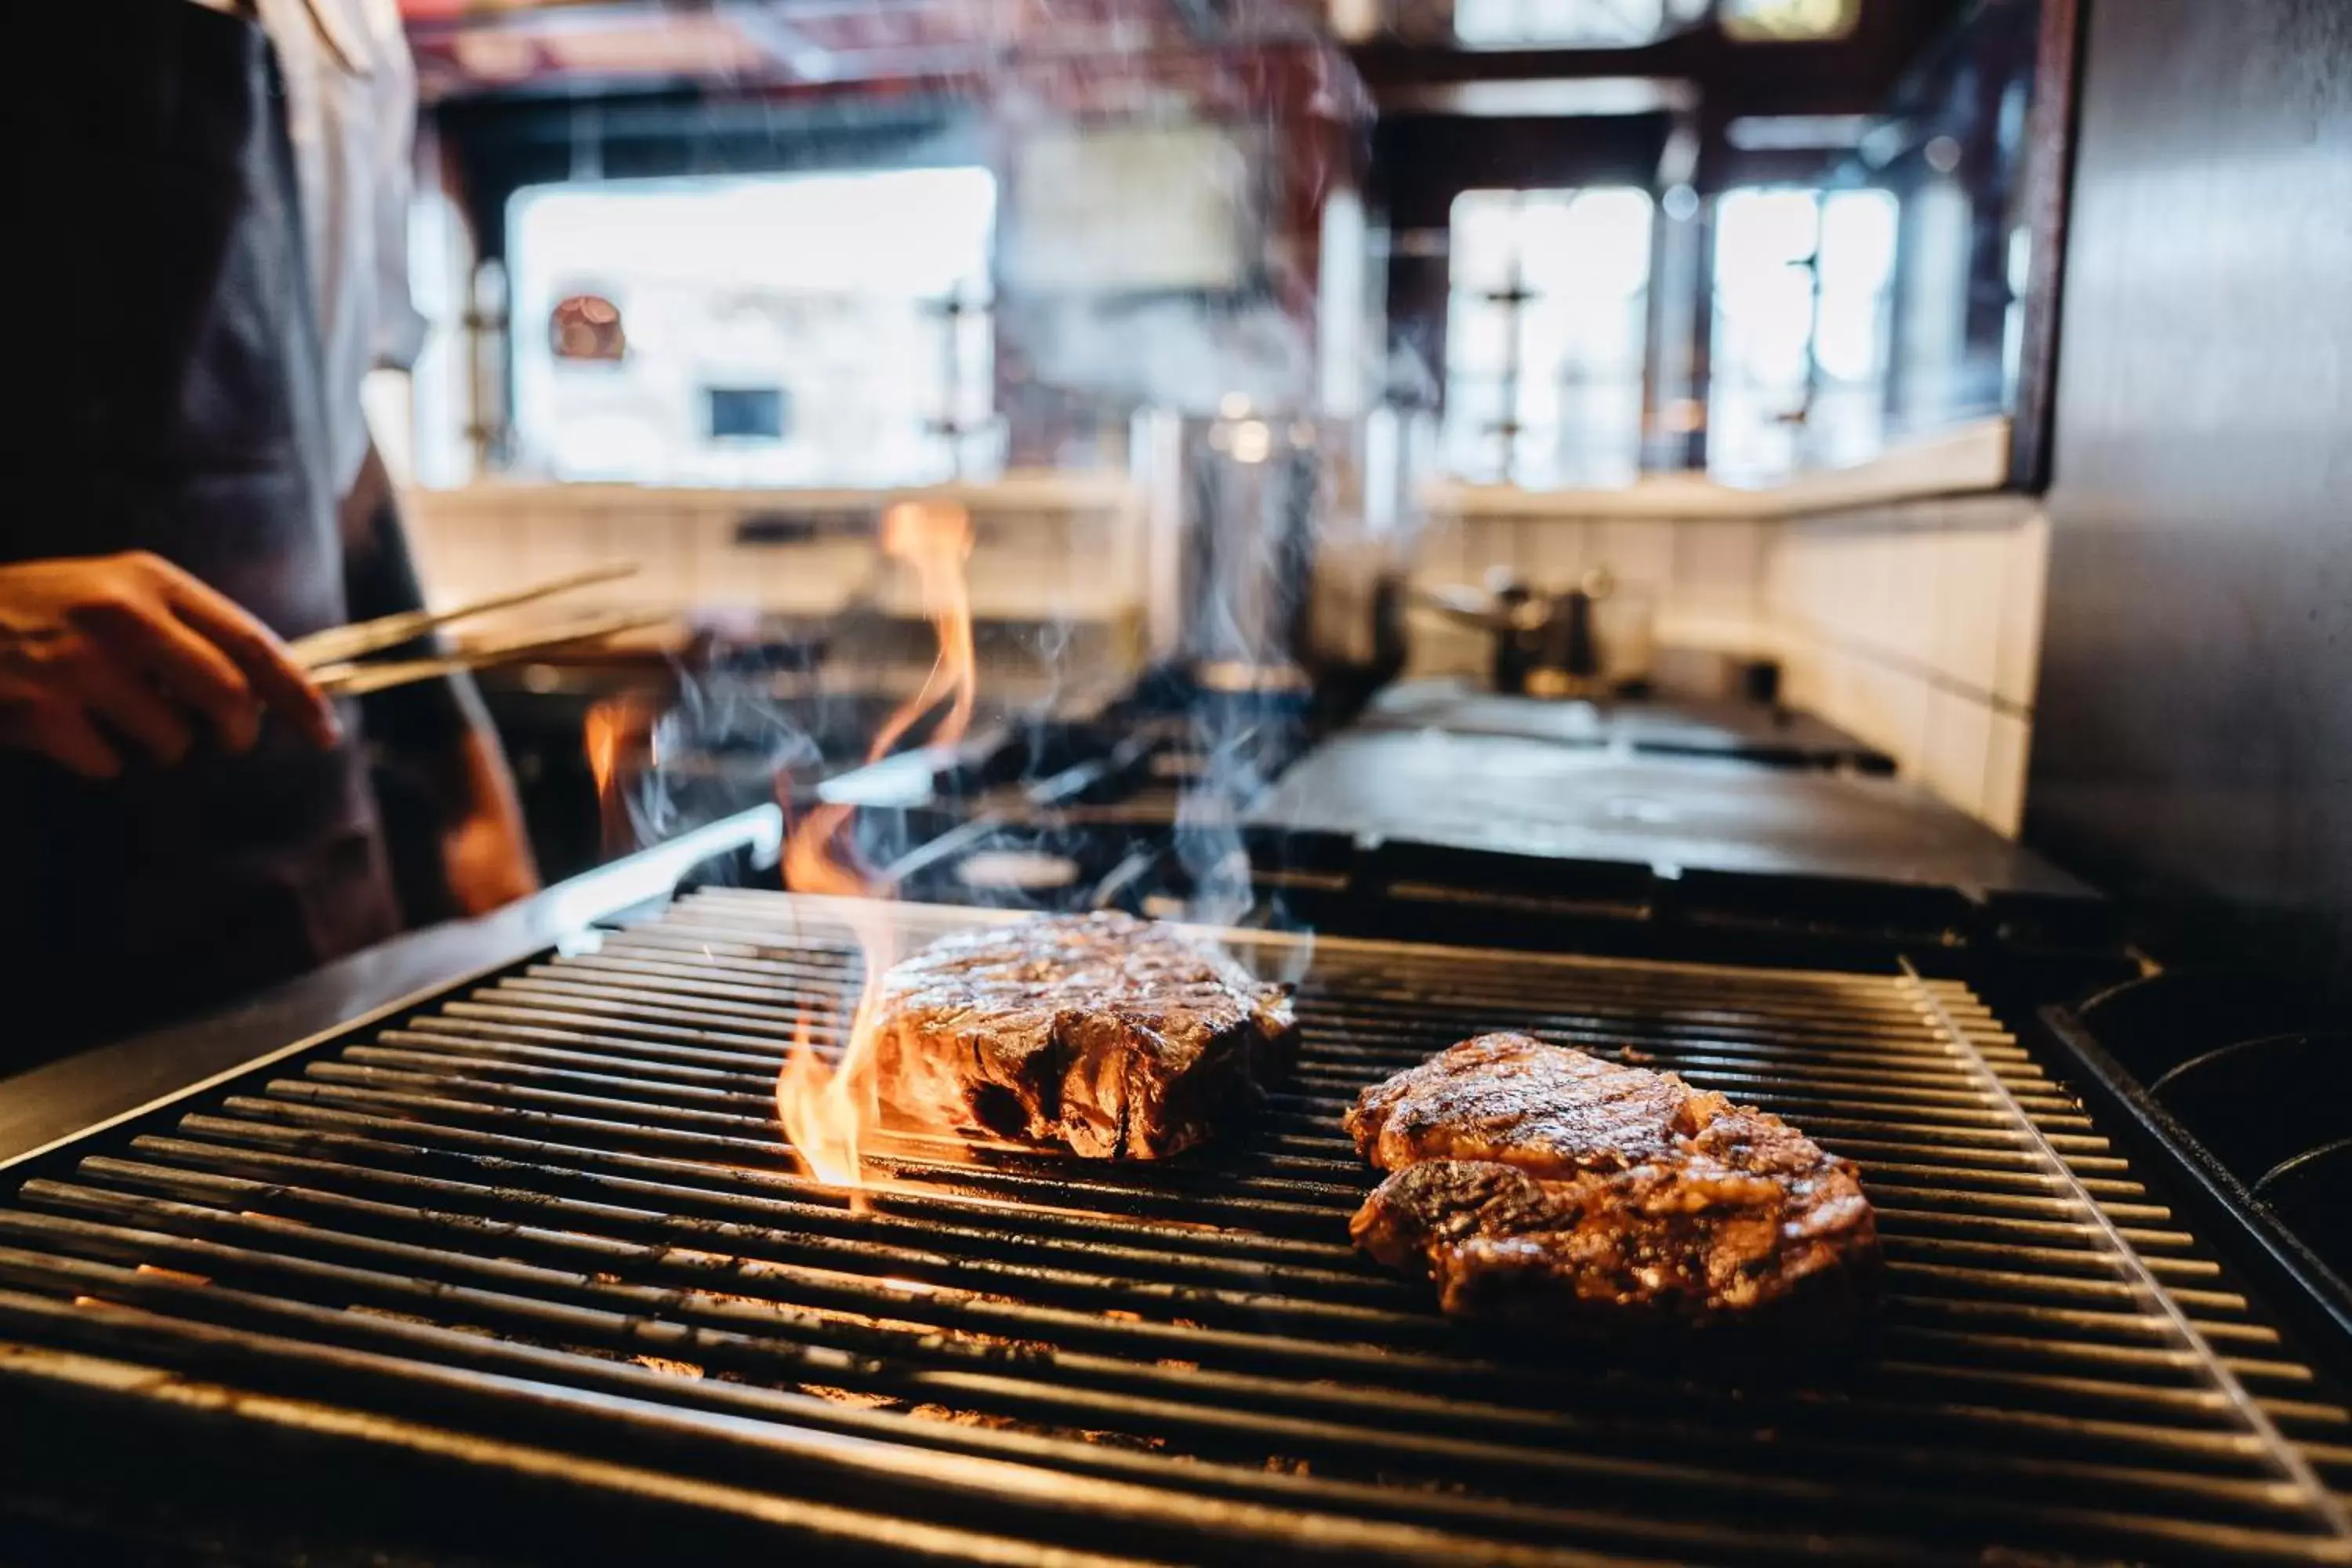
(599, 737)
(825, 1106)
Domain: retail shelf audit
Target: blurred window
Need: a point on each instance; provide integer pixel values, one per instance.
(1788, 21)
(1799, 363)
(799, 329)
(1545, 330)
(746, 413)
(1595, 24)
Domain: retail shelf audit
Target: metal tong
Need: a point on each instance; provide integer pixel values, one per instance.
(337, 658)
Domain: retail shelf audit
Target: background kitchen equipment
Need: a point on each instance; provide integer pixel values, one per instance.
(1596, 639)
(1277, 544)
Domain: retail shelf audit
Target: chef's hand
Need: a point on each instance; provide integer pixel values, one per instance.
(99, 649)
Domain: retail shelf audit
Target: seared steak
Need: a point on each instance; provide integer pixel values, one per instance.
(1511, 1098)
(1108, 1035)
(1535, 1183)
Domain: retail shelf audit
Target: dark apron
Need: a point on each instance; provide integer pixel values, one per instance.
(166, 333)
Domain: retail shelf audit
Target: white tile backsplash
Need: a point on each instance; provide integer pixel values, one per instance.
(1910, 567)
(1916, 626)
(1441, 550)
(1967, 590)
(1039, 554)
(1718, 562)
(1959, 738)
(1637, 552)
(2017, 655)
(1556, 552)
(2008, 741)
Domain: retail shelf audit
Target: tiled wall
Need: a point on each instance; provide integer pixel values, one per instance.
(1702, 578)
(1918, 626)
(1043, 550)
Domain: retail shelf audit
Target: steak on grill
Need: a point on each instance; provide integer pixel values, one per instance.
(1535, 1183)
(1109, 1036)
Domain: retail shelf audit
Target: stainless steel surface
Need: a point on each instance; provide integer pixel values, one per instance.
(97, 1086)
(1513, 794)
(360, 678)
(1277, 541)
(556, 1207)
(337, 645)
(1588, 640)
(1682, 726)
(2191, 741)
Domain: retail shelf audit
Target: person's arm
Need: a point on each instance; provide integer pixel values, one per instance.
(441, 775)
(106, 657)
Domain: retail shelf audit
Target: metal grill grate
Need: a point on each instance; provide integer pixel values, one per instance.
(561, 1197)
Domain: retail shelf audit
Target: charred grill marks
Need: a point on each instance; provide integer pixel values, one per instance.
(1109, 1036)
(1536, 1182)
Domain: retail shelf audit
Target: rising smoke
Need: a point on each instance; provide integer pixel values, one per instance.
(1194, 349)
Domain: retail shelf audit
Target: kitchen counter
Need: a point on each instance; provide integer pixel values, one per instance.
(1537, 800)
(1680, 726)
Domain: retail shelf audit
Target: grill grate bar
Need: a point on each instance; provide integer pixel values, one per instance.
(1318, 1052)
(424, 1062)
(702, 923)
(654, 1121)
(772, 1029)
(694, 989)
(488, 1106)
(508, 1199)
(1225, 1506)
(717, 981)
(571, 1174)
(713, 1087)
(687, 1183)
(2329, 1513)
(426, 1345)
(631, 1322)
(953, 1308)
(730, 1183)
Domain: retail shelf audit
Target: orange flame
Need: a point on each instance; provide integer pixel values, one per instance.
(825, 1107)
(599, 737)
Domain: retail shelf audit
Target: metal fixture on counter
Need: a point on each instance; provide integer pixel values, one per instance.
(1277, 544)
(1595, 640)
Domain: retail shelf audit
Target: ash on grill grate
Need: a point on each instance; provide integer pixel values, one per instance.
(571, 1175)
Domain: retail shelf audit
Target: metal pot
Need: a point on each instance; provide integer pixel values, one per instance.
(1278, 544)
(1596, 639)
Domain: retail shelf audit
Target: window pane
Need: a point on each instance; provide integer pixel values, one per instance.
(1477, 334)
(1847, 341)
(1600, 23)
(1758, 232)
(1476, 402)
(1801, 281)
(826, 288)
(1574, 333)
(1482, 240)
(1772, 21)
(1858, 240)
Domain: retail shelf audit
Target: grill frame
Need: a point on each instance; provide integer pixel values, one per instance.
(1293, 1198)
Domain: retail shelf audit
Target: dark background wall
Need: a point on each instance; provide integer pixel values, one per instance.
(2193, 741)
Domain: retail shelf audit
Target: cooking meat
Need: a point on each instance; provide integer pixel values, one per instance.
(1107, 1035)
(1535, 1183)
(1513, 1099)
